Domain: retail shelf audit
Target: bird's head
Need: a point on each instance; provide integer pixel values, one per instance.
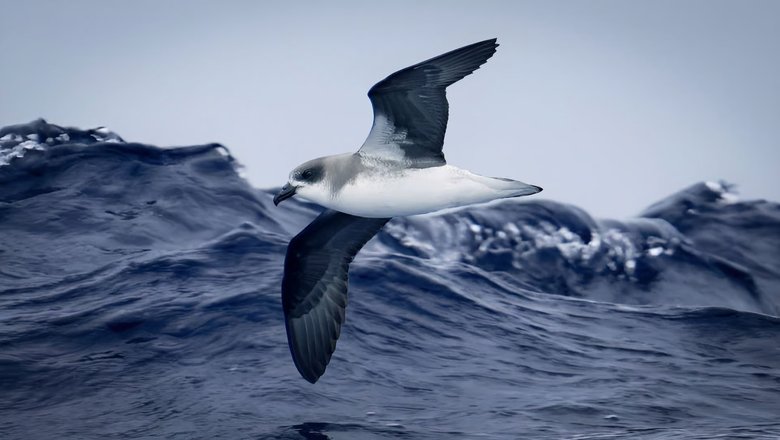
(305, 180)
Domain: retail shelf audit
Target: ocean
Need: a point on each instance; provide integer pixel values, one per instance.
(140, 298)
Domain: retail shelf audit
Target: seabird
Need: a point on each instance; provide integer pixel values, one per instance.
(398, 171)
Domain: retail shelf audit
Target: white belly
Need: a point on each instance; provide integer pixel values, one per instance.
(418, 191)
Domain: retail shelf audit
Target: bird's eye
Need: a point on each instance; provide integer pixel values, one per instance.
(306, 174)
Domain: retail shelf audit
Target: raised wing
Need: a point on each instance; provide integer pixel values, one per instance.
(411, 110)
(314, 287)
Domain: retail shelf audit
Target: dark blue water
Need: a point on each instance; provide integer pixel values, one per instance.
(139, 298)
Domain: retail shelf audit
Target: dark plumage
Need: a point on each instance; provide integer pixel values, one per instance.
(314, 287)
(410, 106)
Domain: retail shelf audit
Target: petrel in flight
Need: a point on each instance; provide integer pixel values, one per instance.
(399, 170)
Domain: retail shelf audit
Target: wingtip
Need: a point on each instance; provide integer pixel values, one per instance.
(311, 379)
(490, 45)
(310, 376)
(491, 41)
(306, 370)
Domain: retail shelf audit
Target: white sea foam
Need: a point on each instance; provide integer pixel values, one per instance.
(10, 151)
(725, 195)
(655, 251)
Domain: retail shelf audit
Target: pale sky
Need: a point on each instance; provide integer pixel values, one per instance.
(609, 105)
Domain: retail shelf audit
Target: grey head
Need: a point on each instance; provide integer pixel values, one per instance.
(302, 178)
(319, 180)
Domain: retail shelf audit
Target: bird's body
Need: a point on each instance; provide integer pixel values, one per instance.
(400, 170)
(378, 189)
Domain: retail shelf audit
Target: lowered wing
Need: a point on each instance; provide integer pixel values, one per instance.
(314, 286)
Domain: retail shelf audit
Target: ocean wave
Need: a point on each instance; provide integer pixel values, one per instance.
(139, 288)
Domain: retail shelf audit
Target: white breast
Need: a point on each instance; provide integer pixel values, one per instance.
(383, 193)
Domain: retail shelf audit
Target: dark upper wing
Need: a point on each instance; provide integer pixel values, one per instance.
(314, 287)
(410, 106)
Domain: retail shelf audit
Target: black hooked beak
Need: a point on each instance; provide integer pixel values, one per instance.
(286, 192)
